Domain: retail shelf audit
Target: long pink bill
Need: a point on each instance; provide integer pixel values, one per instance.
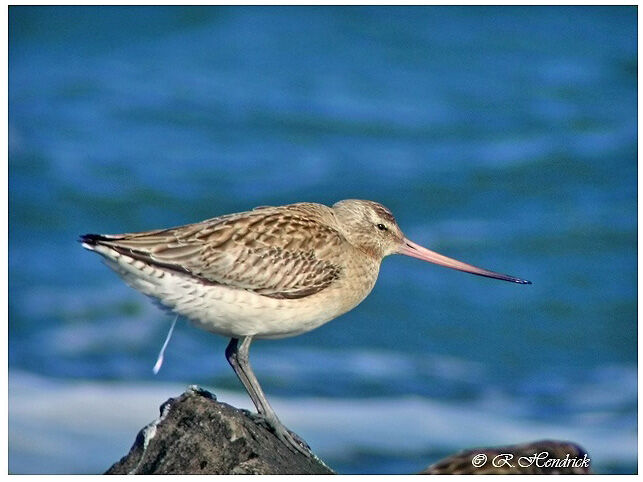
(409, 248)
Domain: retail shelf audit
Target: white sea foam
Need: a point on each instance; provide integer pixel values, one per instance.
(80, 426)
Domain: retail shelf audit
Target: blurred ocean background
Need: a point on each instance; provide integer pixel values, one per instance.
(505, 137)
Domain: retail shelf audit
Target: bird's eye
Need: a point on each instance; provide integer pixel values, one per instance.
(381, 227)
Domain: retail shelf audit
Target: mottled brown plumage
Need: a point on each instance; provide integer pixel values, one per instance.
(275, 252)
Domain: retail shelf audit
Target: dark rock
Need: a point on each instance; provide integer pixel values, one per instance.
(542, 457)
(195, 434)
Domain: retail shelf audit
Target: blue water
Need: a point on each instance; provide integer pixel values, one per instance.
(505, 137)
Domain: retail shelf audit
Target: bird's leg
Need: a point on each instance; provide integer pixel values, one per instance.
(232, 353)
(238, 357)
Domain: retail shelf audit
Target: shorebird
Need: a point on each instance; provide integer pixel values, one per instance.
(272, 272)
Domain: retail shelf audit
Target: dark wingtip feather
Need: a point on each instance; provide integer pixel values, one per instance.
(91, 239)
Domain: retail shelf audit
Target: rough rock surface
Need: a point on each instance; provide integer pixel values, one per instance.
(195, 434)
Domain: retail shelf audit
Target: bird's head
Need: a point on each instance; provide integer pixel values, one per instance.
(369, 226)
(372, 228)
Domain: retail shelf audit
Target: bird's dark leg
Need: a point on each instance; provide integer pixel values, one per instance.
(238, 357)
(232, 354)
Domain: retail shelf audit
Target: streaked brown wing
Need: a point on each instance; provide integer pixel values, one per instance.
(274, 252)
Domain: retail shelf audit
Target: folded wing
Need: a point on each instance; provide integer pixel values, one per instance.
(275, 254)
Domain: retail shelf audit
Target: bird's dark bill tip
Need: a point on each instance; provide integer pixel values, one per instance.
(503, 277)
(506, 277)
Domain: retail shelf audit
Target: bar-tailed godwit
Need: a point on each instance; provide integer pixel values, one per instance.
(273, 272)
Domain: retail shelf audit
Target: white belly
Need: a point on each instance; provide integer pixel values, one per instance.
(234, 313)
(228, 311)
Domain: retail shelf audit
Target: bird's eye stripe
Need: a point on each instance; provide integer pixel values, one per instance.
(381, 227)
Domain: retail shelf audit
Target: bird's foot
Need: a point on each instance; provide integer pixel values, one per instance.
(293, 441)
